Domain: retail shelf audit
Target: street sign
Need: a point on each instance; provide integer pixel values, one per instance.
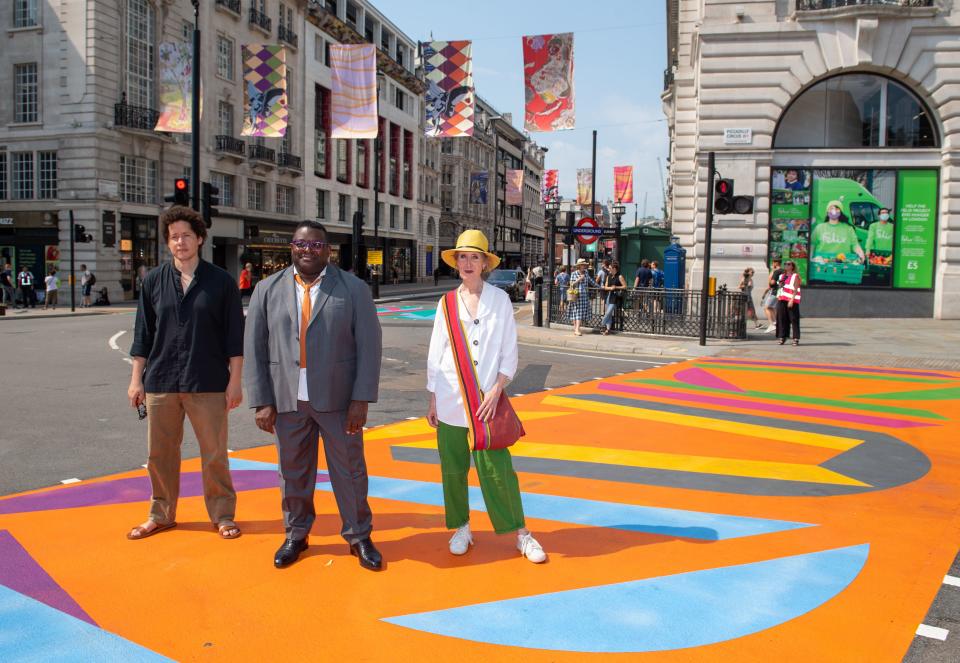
(374, 257)
(587, 230)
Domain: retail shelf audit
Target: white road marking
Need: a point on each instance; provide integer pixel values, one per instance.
(934, 632)
(390, 359)
(632, 361)
(951, 580)
(113, 340)
(598, 378)
(412, 418)
(229, 451)
(128, 360)
(518, 395)
(144, 466)
(69, 481)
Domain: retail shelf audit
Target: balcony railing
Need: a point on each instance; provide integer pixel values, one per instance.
(231, 145)
(232, 5)
(134, 117)
(261, 153)
(286, 34)
(260, 19)
(291, 161)
(814, 5)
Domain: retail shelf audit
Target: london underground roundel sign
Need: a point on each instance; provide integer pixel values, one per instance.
(587, 230)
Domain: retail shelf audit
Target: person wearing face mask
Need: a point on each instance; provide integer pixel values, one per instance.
(880, 234)
(835, 240)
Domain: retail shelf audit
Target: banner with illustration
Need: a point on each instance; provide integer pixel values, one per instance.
(548, 82)
(550, 191)
(790, 217)
(584, 186)
(353, 91)
(449, 99)
(478, 188)
(623, 184)
(916, 237)
(514, 187)
(265, 91)
(176, 87)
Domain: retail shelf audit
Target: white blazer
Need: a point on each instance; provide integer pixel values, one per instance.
(492, 336)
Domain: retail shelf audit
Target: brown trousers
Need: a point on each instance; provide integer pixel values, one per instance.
(208, 416)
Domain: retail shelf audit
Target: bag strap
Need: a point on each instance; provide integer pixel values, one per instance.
(468, 380)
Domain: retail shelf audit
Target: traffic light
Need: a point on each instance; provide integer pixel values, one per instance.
(181, 192)
(724, 202)
(209, 199)
(568, 231)
(80, 235)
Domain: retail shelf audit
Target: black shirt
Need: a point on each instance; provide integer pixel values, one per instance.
(645, 274)
(188, 338)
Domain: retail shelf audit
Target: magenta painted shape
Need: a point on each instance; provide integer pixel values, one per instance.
(21, 573)
(701, 378)
(831, 367)
(847, 417)
(130, 489)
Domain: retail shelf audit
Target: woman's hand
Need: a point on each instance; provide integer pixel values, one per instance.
(432, 412)
(488, 408)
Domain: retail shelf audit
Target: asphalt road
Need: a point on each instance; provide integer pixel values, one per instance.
(64, 415)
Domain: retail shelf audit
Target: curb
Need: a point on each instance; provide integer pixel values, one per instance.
(78, 314)
(635, 345)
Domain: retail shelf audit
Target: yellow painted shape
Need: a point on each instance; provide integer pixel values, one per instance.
(719, 425)
(421, 427)
(754, 469)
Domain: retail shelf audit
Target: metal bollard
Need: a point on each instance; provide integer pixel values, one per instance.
(538, 306)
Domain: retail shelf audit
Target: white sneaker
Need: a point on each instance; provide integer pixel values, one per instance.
(531, 549)
(461, 540)
(770, 329)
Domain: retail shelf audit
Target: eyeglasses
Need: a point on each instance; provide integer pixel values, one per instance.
(303, 245)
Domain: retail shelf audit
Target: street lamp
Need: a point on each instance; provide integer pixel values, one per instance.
(553, 209)
(486, 125)
(618, 210)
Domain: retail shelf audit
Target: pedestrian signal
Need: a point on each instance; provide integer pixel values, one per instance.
(181, 192)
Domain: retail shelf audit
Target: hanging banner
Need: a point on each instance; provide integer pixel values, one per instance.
(548, 82)
(551, 187)
(353, 91)
(916, 237)
(623, 184)
(449, 97)
(584, 186)
(265, 94)
(514, 187)
(176, 87)
(478, 188)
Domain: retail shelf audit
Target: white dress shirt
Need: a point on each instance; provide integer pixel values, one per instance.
(302, 394)
(492, 336)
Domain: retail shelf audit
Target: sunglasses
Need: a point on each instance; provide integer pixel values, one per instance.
(303, 245)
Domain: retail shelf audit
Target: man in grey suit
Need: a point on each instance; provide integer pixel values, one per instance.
(312, 348)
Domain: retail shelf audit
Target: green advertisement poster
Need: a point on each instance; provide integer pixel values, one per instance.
(916, 230)
(790, 217)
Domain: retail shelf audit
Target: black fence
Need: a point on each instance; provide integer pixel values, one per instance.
(661, 311)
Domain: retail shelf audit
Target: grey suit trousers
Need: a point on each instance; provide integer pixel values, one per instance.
(298, 436)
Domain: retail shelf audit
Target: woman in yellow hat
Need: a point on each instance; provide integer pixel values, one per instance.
(490, 342)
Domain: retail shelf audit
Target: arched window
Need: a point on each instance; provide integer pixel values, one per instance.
(856, 111)
(430, 227)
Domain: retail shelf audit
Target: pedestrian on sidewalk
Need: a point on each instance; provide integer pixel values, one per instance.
(579, 295)
(245, 282)
(770, 295)
(6, 285)
(746, 287)
(486, 317)
(788, 305)
(187, 360)
(615, 285)
(314, 374)
(27, 293)
(656, 282)
(562, 281)
(87, 280)
(52, 283)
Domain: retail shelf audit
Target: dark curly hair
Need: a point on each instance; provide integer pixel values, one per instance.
(180, 213)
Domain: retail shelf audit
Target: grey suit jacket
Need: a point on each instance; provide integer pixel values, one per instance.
(344, 344)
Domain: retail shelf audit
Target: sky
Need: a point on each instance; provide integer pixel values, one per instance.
(619, 58)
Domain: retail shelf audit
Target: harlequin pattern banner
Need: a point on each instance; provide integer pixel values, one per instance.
(548, 82)
(584, 186)
(551, 186)
(514, 187)
(265, 94)
(623, 184)
(478, 188)
(353, 91)
(449, 97)
(176, 87)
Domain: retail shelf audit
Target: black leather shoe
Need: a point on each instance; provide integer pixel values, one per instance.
(289, 552)
(368, 554)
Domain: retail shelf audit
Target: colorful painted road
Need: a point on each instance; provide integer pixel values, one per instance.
(713, 510)
(415, 312)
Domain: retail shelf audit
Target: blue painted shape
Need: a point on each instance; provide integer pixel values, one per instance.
(32, 631)
(656, 614)
(614, 515)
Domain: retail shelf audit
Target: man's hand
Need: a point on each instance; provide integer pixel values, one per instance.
(136, 393)
(266, 417)
(356, 417)
(234, 394)
(488, 408)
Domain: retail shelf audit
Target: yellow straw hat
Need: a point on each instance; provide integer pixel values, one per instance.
(470, 240)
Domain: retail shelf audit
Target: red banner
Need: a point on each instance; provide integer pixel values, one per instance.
(548, 82)
(623, 184)
(551, 187)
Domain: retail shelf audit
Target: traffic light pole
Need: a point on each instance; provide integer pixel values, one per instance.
(705, 289)
(195, 109)
(551, 265)
(73, 284)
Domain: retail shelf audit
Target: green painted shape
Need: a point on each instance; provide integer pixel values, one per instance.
(944, 394)
(819, 373)
(793, 398)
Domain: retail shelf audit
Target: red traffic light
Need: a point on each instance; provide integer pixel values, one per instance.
(180, 184)
(724, 187)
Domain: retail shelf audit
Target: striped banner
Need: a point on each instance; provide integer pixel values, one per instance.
(551, 186)
(265, 95)
(584, 186)
(623, 184)
(469, 381)
(449, 99)
(176, 88)
(548, 82)
(514, 187)
(353, 91)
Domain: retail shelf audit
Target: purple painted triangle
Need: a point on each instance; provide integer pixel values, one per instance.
(21, 573)
(701, 378)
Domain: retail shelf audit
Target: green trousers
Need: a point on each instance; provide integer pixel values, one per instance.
(498, 481)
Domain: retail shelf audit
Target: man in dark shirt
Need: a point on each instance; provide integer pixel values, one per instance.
(6, 284)
(644, 275)
(187, 360)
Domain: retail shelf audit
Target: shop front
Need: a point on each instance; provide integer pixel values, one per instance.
(400, 260)
(139, 251)
(30, 239)
(267, 247)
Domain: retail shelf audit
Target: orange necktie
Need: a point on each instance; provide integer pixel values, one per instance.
(305, 311)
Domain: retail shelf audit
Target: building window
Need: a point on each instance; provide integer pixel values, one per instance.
(393, 216)
(321, 131)
(225, 57)
(257, 195)
(26, 93)
(225, 118)
(351, 14)
(406, 218)
(408, 164)
(3, 175)
(138, 180)
(343, 207)
(343, 174)
(323, 204)
(398, 98)
(362, 165)
(25, 13)
(225, 183)
(286, 199)
(384, 40)
(319, 48)
(22, 175)
(48, 175)
(141, 35)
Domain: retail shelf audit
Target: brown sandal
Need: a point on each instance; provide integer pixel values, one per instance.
(224, 530)
(141, 532)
